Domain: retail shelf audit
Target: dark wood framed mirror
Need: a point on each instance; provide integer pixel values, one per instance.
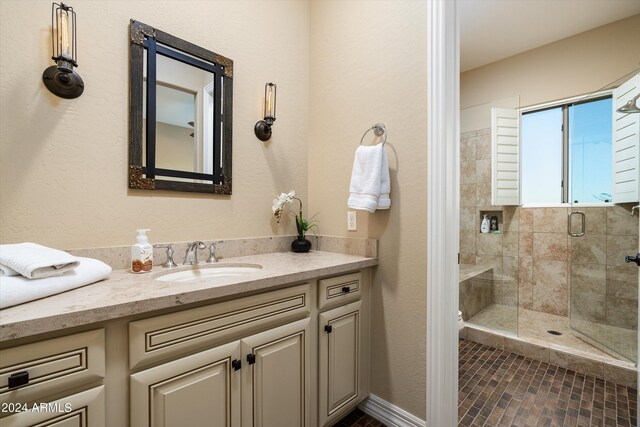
(180, 114)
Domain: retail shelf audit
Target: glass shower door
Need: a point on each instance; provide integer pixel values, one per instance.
(604, 287)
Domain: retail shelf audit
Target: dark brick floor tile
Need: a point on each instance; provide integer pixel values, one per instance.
(497, 388)
(526, 393)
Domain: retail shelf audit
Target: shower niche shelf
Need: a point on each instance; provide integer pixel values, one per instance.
(489, 214)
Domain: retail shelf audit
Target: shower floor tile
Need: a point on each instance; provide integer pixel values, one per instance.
(533, 326)
(623, 341)
(498, 388)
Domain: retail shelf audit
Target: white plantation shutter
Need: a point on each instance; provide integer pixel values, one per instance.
(505, 156)
(626, 142)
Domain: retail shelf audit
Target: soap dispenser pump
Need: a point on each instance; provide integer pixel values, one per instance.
(142, 253)
(485, 225)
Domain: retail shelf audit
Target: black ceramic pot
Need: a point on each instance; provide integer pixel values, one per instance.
(300, 245)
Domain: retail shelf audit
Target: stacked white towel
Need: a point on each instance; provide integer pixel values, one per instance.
(34, 261)
(370, 183)
(16, 290)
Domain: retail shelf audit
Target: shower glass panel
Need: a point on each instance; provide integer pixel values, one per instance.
(489, 262)
(604, 288)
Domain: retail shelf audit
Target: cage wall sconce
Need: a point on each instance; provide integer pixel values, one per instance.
(61, 79)
(263, 127)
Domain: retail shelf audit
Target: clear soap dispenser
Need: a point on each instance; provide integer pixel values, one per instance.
(142, 253)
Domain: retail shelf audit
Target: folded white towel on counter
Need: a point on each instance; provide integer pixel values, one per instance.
(34, 261)
(370, 184)
(6, 271)
(16, 290)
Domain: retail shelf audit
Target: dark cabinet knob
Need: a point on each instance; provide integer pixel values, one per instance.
(328, 328)
(236, 364)
(346, 289)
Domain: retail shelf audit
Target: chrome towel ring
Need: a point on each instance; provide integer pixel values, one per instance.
(378, 130)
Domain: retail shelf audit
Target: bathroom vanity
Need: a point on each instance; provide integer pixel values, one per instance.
(284, 345)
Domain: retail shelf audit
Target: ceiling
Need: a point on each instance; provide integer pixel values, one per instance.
(491, 30)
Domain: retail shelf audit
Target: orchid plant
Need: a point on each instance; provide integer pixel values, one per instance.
(303, 225)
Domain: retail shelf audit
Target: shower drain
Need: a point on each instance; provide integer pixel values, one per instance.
(554, 332)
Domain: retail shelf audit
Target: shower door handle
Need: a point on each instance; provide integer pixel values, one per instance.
(631, 258)
(582, 224)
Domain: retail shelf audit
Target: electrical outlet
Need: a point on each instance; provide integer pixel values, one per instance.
(352, 224)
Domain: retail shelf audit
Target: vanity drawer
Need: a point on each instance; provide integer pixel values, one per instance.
(84, 409)
(174, 334)
(339, 290)
(46, 367)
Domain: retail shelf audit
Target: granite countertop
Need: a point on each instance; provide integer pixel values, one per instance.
(125, 294)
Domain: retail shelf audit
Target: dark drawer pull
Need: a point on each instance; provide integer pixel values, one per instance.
(18, 379)
(346, 289)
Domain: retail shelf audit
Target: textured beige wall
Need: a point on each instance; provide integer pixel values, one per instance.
(63, 163)
(571, 67)
(368, 64)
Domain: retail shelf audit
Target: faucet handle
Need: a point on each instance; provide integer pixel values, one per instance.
(170, 263)
(212, 250)
(191, 257)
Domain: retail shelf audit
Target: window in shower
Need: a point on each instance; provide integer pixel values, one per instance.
(566, 153)
(542, 156)
(589, 138)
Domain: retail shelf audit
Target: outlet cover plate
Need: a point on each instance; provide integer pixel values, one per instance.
(352, 224)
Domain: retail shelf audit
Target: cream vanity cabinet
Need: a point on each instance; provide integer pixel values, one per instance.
(217, 387)
(260, 379)
(342, 365)
(291, 357)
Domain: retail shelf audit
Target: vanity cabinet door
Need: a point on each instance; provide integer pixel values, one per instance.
(198, 390)
(339, 361)
(275, 377)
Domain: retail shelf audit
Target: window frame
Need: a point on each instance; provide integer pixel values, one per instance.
(565, 104)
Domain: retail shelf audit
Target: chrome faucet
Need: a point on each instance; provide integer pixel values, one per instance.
(170, 263)
(191, 257)
(212, 251)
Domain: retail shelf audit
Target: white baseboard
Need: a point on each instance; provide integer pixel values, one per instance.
(389, 414)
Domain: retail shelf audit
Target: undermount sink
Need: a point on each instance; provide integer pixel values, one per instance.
(209, 273)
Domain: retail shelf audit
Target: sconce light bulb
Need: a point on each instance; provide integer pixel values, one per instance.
(63, 34)
(270, 102)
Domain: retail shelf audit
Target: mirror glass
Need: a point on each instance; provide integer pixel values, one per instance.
(185, 91)
(184, 118)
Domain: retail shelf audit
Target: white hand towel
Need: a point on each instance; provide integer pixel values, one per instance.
(18, 289)
(370, 184)
(35, 261)
(384, 202)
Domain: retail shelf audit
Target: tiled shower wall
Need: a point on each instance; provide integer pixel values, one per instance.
(535, 259)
